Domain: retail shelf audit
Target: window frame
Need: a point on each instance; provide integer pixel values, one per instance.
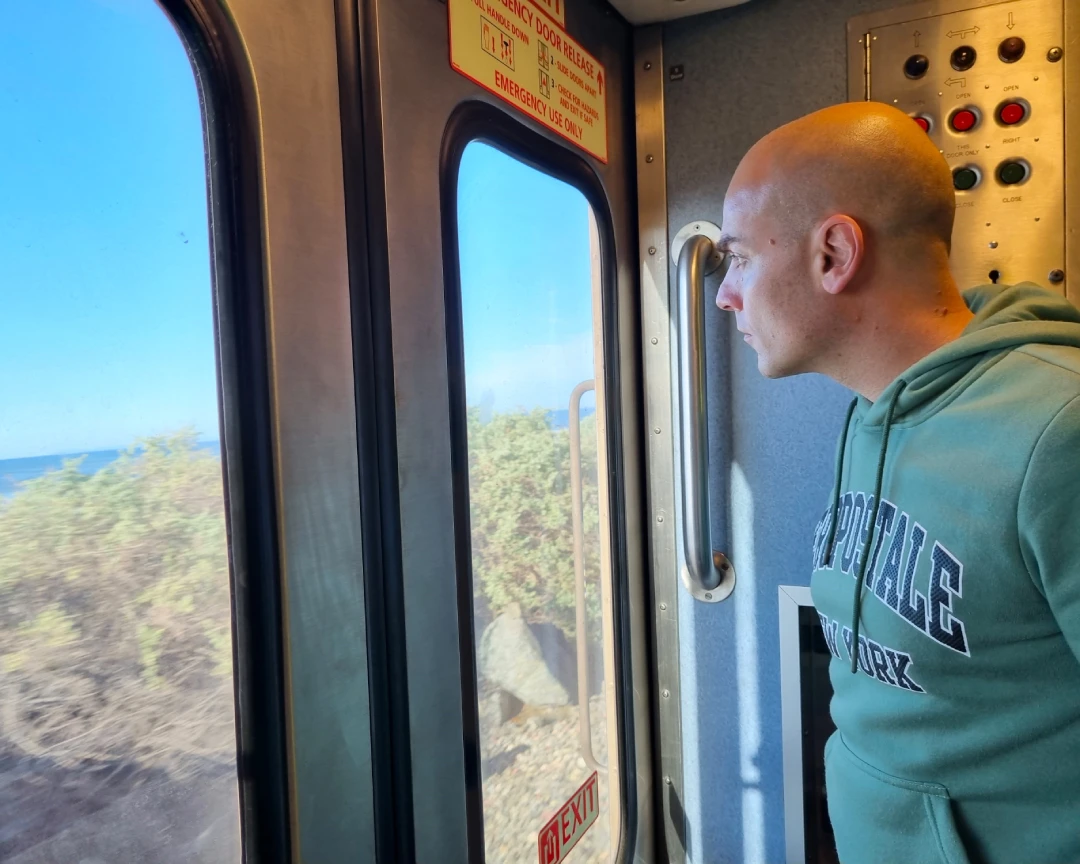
(236, 227)
(479, 121)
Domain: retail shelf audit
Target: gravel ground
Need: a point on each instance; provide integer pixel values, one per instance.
(532, 765)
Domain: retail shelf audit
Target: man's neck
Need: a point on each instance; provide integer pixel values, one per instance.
(890, 338)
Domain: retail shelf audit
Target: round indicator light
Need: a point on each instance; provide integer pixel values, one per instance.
(1012, 49)
(963, 58)
(964, 178)
(963, 120)
(916, 65)
(923, 122)
(1012, 113)
(1011, 173)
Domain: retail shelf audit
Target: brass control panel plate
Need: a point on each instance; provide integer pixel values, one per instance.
(988, 83)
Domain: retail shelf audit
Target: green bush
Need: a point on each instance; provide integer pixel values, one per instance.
(522, 530)
(114, 610)
(115, 627)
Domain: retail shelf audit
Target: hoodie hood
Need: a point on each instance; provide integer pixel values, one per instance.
(1006, 317)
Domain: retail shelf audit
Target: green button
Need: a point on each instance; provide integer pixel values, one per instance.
(964, 178)
(1011, 173)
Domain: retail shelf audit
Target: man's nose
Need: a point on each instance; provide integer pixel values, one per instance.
(727, 298)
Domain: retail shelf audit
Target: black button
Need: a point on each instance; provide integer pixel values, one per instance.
(1012, 49)
(916, 65)
(964, 178)
(963, 58)
(1011, 173)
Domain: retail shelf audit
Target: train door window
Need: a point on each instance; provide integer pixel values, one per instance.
(533, 354)
(117, 733)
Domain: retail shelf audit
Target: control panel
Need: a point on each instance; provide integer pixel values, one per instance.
(987, 84)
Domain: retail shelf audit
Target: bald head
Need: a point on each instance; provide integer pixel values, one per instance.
(865, 159)
(838, 227)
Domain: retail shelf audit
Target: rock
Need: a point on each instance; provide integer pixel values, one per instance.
(511, 658)
(560, 656)
(509, 705)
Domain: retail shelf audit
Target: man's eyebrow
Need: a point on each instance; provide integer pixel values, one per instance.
(725, 242)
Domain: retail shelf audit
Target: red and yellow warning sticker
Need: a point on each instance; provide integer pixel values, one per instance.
(513, 49)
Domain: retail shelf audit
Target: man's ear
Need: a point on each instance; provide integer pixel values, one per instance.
(838, 252)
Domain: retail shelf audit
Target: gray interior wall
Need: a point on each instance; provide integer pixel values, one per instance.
(748, 70)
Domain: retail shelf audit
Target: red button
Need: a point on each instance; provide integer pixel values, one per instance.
(922, 121)
(963, 120)
(1012, 113)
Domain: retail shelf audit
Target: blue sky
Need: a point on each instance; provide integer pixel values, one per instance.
(106, 329)
(526, 283)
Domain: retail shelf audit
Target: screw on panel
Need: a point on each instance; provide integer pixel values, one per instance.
(659, 518)
(654, 340)
(1054, 54)
(666, 694)
(652, 250)
(993, 244)
(656, 430)
(663, 607)
(648, 65)
(667, 780)
(1056, 277)
(649, 157)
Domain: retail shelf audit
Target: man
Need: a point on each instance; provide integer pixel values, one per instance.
(947, 565)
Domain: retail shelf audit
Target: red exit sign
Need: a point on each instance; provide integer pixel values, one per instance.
(569, 825)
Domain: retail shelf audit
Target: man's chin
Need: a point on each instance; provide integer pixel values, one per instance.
(773, 370)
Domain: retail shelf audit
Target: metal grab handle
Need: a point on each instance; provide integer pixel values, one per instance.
(708, 574)
(584, 721)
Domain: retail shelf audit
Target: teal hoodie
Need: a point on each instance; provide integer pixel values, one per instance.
(956, 670)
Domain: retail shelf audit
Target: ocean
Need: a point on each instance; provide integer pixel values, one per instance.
(16, 471)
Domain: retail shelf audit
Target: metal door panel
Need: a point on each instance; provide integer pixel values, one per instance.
(417, 93)
(285, 61)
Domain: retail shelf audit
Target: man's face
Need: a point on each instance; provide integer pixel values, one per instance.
(768, 284)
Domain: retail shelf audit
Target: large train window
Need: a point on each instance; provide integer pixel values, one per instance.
(117, 733)
(534, 390)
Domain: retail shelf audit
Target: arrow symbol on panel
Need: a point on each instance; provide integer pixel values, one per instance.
(962, 33)
(1011, 24)
(917, 34)
(961, 81)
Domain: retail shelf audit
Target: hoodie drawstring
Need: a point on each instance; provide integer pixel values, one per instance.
(866, 553)
(838, 481)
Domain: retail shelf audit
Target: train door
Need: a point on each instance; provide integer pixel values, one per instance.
(492, 167)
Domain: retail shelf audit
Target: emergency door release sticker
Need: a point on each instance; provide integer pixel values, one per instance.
(554, 9)
(569, 825)
(513, 49)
